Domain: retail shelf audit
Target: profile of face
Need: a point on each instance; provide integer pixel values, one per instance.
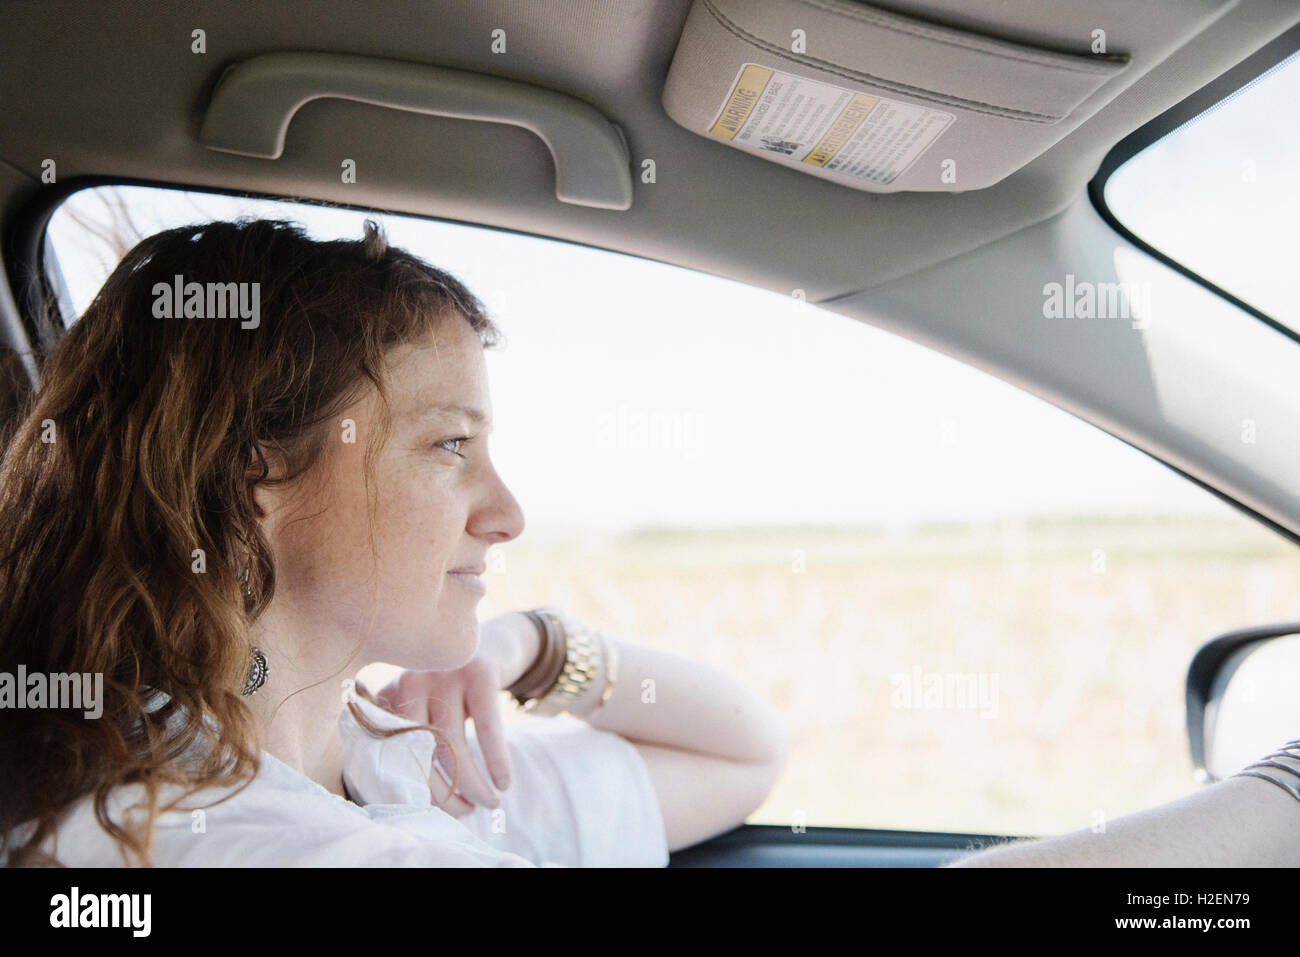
(411, 589)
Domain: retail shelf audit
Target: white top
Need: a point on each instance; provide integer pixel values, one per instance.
(579, 796)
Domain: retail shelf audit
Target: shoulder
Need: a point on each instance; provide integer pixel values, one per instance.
(280, 819)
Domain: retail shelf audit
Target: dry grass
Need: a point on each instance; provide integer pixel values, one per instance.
(1089, 652)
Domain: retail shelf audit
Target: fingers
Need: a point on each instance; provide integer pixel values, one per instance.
(483, 703)
(408, 697)
(440, 786)
(472, 783)
(446, 701)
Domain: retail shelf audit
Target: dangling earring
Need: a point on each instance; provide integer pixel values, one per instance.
(257, 672)
(257, 669)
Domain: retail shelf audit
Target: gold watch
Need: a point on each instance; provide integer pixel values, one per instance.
(583, 662)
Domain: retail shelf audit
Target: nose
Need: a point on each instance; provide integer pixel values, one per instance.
(500, 518)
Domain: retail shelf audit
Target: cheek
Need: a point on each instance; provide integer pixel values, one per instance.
(427, 620)
(329, 563)
(417, 534)
(323, 547)
(321, 541)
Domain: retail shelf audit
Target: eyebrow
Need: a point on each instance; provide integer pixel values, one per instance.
(451, 408)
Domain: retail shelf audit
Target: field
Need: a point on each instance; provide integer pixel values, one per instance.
(1071, 636)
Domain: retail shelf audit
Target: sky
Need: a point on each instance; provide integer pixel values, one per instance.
(631, 393)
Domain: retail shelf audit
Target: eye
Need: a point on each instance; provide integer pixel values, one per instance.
(446, 442)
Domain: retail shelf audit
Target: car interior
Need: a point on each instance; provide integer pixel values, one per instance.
(950, 160)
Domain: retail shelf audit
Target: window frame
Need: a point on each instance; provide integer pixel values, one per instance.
(848, 836)
(1207, 97)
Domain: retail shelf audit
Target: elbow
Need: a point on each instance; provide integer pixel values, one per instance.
(755, 775)
(768, 739)
(772, 750)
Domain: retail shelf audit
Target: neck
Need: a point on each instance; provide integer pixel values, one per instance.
(298, 708)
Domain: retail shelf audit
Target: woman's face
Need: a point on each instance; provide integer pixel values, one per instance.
(439, 506)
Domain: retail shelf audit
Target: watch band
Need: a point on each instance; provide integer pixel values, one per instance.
(611, 669)
(584, 663)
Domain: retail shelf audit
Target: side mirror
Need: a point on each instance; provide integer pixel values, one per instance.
(1243, 698)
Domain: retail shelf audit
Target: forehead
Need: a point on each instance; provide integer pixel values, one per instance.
(444, 371)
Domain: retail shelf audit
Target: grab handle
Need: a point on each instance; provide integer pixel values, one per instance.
(255, 100)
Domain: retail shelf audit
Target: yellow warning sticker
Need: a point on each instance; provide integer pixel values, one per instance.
(802, 122)
(744, 94)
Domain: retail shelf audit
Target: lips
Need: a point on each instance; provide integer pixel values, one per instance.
(469, 577)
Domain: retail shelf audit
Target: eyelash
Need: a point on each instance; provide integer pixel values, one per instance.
(443, 444)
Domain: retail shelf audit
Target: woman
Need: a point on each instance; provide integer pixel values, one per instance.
(256, 464)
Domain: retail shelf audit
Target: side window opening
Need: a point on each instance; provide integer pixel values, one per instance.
(936, 577)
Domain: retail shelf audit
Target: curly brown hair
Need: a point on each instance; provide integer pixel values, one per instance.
(143, 444)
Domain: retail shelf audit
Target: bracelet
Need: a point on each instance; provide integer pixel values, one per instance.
(584, 669)
(611, 669)
(1268, 762)
(546, 667)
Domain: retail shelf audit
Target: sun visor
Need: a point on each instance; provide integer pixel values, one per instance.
(873, 99)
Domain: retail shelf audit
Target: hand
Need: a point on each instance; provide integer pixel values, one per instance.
(447, 699)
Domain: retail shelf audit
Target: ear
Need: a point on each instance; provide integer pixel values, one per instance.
(262, 465)
(261, 503)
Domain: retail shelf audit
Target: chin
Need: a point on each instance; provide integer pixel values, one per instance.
(429, 641)
(455, 644)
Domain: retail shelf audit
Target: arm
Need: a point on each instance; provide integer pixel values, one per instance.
(1238, 822)
(713, 748)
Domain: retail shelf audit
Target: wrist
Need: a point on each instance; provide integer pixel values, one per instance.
(529, 645)
(576, 670)
(512, 641)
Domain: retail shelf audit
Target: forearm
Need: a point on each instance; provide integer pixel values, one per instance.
(666, 699)
(1240, 822)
